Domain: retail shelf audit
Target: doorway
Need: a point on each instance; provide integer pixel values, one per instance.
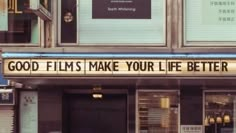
(85, 114)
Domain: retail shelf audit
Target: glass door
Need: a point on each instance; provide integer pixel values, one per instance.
(157, 112)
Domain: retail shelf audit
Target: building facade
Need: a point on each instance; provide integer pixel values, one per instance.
(120, 66)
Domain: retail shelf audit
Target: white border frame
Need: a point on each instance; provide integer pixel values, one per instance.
(166, 32)
(153, 90)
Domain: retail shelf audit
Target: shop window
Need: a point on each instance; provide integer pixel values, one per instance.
(220, 112)
(210, 22)
(157, 112)
(22, 26)
(113, 22)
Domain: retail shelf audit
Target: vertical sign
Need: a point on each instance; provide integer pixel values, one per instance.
(3, 15)
(29, 112)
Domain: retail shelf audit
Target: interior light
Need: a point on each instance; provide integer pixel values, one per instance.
(206, 121)
(165, 102)
(226, 119)
(68, 17)
(6, 90)
(97, 95)
(211, 120)
(218, 119)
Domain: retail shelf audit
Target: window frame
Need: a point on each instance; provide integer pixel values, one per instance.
(166, 32)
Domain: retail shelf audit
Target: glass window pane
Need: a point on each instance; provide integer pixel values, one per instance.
(210, 20)
(158, 112)
(127, 22)
(130, 29)
(22, 24)
(220, 112)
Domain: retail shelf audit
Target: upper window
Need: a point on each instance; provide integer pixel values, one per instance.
(210, 22)
(21, 24)
(113, 22)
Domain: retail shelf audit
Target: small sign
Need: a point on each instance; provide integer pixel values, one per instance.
(6, 97)
(191, 129)
(121, 9)
(4, 15)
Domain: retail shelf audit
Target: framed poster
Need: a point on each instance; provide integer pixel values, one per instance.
(210, 21)
(121, 22)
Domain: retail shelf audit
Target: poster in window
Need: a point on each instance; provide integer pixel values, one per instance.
(219, 12)
(210, 21)
(29, 112)
(121, 9)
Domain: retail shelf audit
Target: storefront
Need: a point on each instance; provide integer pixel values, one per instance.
(119, 66)
(124, 92)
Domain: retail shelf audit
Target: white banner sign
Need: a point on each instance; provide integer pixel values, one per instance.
(29, 112)
(3, 15)
(119, 67)
(191, 129)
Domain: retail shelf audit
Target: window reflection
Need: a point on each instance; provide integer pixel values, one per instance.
(22, 24)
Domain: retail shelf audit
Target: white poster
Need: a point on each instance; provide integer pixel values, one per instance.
(210, 20)
(3, 15)
(191, 129)
(29, 112)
